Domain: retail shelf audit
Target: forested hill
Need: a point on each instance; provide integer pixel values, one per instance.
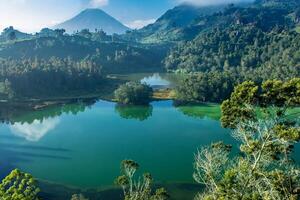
(257, 42)
(261, 35)
(175, 25)
(114, 57)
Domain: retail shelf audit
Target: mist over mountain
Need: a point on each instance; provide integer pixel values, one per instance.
(93, 19)
(175, 24)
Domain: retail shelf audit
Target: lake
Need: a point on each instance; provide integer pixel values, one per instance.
(82, 145)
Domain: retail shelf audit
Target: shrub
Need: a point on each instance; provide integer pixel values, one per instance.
(134, 93)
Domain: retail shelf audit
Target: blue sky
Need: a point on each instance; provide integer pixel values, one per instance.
(32, 15)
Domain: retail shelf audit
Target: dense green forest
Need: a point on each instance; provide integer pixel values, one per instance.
(256, 43)
(29, 77)
(52, 63)
(216, 47)
(113, 56)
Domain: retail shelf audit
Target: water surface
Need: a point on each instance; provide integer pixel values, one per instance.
(83, 146)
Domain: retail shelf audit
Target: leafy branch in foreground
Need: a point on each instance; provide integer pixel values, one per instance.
(19, 186)
(267, 133)
(250, 101)
(139, 189)
(78, 197)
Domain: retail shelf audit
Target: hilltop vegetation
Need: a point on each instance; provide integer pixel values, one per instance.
(114, 56)
(256, 43)
(175, 25)
(253, 37)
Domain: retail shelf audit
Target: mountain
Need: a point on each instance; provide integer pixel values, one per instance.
(262, 37)
(93, 19)
(181, 16)
(176, 24)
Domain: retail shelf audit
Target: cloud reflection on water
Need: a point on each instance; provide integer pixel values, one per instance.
(36, 130)
(155, 80)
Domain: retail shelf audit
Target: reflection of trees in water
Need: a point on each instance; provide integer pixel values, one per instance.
(27, 112)
(140, 113)
(201, 111)
(13, 150)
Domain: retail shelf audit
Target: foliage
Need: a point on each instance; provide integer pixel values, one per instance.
(18, 186)
(255, 42)
(35, 77)
(78, 197)
(245, 36)
(206, 87)
(248, 96)
(138, 189)
(175, 25)
(134, 93)
(10, 34)
(264, 169)
(113, 56)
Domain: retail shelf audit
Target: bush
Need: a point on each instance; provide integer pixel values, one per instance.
(134, 93)
(19, 186)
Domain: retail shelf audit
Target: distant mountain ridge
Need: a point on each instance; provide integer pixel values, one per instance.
(175, 25)
(93, 19)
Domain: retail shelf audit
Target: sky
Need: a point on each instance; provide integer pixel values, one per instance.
(33, 15)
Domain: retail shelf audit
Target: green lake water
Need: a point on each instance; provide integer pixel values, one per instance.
(83, 146)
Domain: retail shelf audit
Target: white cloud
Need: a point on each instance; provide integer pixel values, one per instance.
(137, 24)
(211, 2)
(36, 130)
(98, 3)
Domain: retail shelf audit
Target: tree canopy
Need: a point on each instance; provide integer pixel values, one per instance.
(267, 133)
(134, 93)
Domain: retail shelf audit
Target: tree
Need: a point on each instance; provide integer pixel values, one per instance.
(141, 189)
(19, 186)
(85, 33)
(78, 197)
(12, 35)
(134, 93)
(100, 35)
(267, 133)
(239, 107)
(206, 87)
(59, 32)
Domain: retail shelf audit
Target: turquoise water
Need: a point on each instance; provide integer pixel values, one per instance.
(83, 146)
